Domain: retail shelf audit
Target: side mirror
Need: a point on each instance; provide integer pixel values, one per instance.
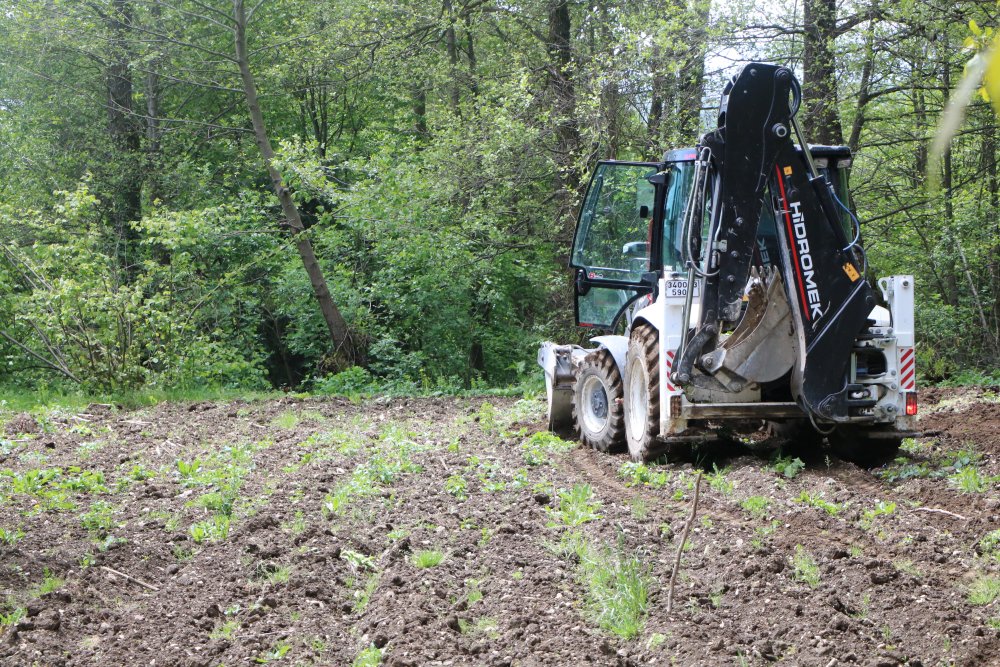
(636, 249)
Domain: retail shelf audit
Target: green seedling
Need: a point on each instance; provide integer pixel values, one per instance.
(363, 595)
(882, 508)
(215, 529)
(226, 631)
(457, 487)
(756, 506)
(717, 480)
(357, 561)
(968, 479)
(277, 652)
(286, 420)
(98, 521)
(833, 509)
(536, 449)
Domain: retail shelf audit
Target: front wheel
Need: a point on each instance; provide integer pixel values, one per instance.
(642, 392)
(597, 404)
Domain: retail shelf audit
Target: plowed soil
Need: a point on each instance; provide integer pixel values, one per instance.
(293, 532)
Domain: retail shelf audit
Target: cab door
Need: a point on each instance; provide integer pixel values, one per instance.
(614, 241)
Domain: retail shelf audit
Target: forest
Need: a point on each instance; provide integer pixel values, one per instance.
(329, 195)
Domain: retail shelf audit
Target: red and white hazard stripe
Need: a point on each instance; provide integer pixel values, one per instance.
(669, 363)
(907, 369)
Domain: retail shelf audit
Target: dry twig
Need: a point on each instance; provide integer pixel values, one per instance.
(130, 578)
(680, 546)
(939, 511)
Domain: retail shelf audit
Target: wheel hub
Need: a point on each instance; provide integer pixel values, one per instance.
(594, 407)
(599, 403)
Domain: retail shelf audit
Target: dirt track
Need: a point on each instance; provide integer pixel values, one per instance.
(289, 532)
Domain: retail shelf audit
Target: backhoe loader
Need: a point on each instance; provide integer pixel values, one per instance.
(737, 273)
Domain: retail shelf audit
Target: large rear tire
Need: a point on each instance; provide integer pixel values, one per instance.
(862, 445)
(642, 392)
(597, 402)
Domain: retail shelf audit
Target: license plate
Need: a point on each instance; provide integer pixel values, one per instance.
(675, 288)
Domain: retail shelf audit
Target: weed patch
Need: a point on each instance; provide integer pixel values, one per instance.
(537, 449)
(427, 558)
(984, 590)
(576, 506)
(805, 568)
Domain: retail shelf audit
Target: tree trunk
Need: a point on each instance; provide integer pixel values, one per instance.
(560, 75)
(125, 132)
(451, 42)
(819, 81)
(691, 85)
(339, 333)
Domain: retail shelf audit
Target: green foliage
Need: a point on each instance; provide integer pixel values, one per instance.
(537, 448)
(369, 657)
(788, 467)
(636, 474)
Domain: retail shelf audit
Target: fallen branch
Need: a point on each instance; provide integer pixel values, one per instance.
(129, 578)
(680, 547)
(939, 511)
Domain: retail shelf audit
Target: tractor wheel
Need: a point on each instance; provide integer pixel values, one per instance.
(642, 393)
(597, 406)
(862, 445)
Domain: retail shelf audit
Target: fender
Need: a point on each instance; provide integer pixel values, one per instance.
(617, 346)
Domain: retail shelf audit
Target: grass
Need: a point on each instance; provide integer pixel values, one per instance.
(805, 568)
(427, 558)
(984, 590)
(617, 588)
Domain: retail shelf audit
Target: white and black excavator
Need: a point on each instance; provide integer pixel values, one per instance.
(739, 272)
